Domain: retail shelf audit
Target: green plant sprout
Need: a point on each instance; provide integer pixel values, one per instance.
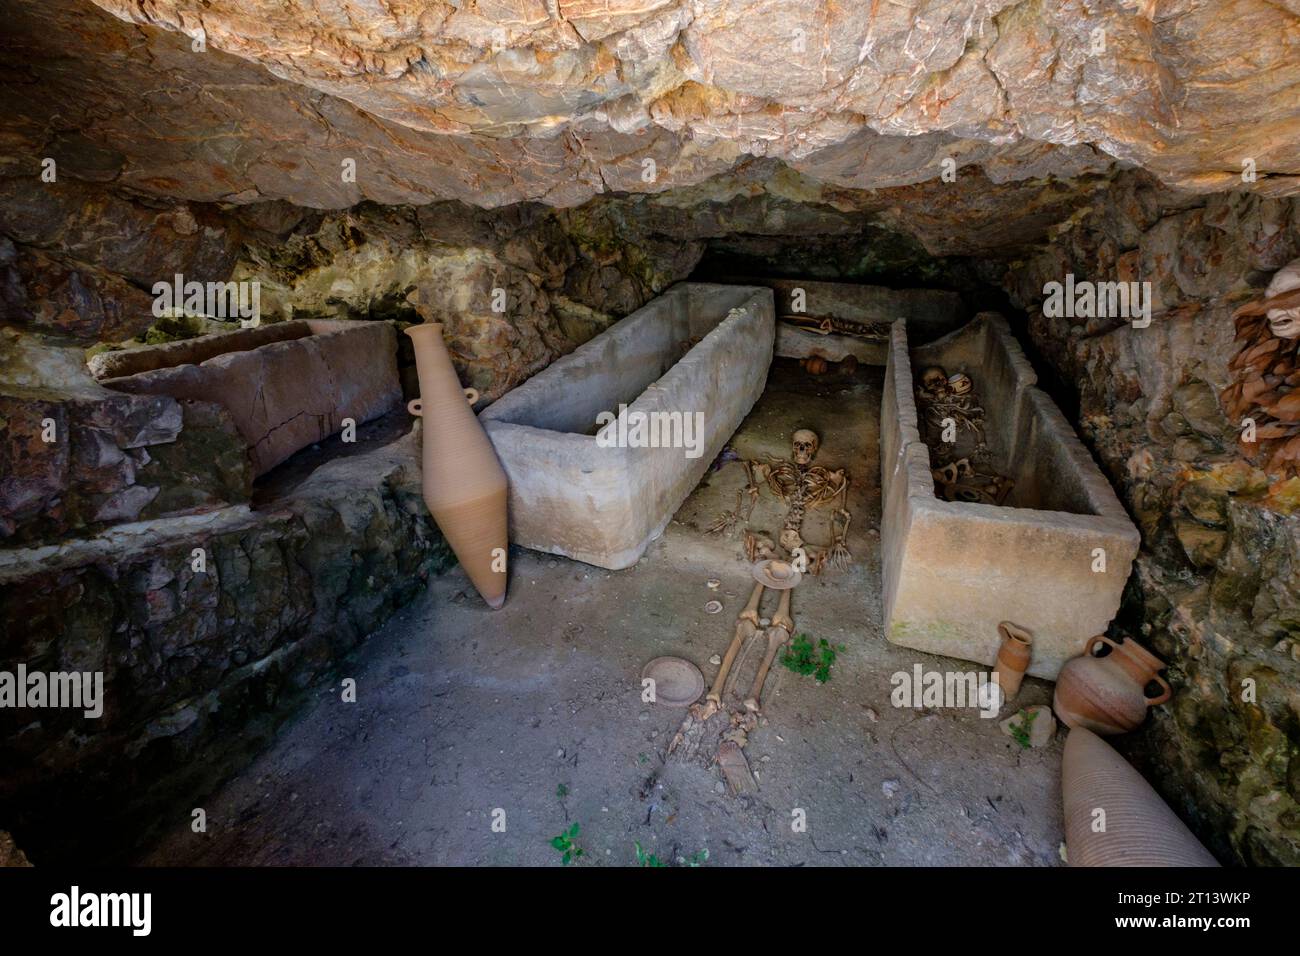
(803, 658)
(566, 844)
(646, 859)
(1020, 733)
(651, 860)
(698, 858)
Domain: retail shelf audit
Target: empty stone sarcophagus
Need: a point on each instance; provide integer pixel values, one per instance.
(286, 385)
(1049, 547)
(699, 352)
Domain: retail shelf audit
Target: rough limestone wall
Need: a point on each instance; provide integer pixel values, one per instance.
(520, 100)
(200, 665)
(105, 499)
(515, 288)
(560, 277)
(1217, 586)
(76, 263)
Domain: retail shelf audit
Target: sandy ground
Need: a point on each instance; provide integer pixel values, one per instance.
(531, 717)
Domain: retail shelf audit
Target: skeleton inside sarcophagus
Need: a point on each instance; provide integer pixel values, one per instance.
(953, 419)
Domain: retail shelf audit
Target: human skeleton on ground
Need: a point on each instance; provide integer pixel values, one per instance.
(801, 486)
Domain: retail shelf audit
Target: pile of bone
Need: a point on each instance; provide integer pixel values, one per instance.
(950, 407)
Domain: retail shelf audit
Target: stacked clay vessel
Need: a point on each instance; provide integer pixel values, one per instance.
(1137, 828)
(464, 484)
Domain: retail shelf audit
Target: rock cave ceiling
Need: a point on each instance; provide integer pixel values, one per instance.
(848, 105)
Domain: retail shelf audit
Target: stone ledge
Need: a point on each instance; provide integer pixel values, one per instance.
(199, 666)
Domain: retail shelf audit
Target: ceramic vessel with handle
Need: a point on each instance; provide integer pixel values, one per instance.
(464, 484)
(1107, 694)
(1013, 658)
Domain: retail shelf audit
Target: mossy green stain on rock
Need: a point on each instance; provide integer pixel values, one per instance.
(930, 630)
(206, 465)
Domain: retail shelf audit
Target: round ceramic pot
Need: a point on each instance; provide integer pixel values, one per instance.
(1107, 695)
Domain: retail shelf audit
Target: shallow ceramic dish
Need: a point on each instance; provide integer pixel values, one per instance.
(777, 575)
(678, 682)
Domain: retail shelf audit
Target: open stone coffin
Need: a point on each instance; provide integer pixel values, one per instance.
(951, 569)
(286, 385)
(870, 309)
(698, 348)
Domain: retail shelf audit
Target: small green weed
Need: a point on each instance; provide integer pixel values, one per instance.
(566, 843)
(649, 859)
(646, 859)
(698, 858)
(1020, 732)
(803, 658)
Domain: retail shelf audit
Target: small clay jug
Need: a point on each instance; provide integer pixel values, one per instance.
(1013, 658)
(1107, 694)
(465, 486)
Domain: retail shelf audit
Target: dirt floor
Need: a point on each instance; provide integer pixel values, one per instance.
(531, 717)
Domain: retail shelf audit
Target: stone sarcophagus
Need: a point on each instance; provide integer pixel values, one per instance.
(588, 443)
(286, 385)
(838, 319)
(1033, 532)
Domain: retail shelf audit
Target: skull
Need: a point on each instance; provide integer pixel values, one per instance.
(1284, 323)
(934, 380)
(805, 444)
(960, 384)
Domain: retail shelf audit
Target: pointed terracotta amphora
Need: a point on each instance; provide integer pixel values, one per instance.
(1139, 829)
(464, 484)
